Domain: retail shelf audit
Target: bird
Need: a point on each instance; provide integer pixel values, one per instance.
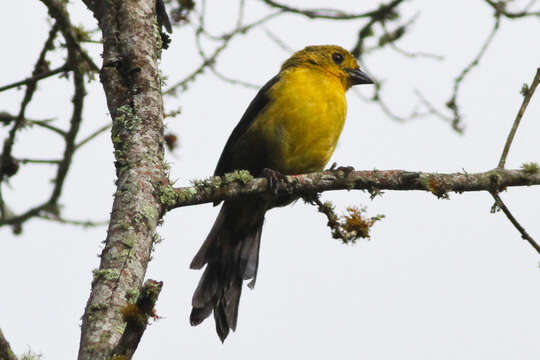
(163, 17)
(291, 127)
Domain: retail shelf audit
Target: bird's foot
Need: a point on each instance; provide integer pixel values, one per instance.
(346, 169)
(274, 177)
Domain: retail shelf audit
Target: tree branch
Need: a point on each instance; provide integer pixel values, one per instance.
(210, 60)
(524, 234)
(452, 102)
(57, 10)
(216, 189)
(136, 317)
(6, 118)
(36, 77)
(8, 166)
(132, 87)
(93, 135)
(334, 14)
(500, 8)
(528, 92)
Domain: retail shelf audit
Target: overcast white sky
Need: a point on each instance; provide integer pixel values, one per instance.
(440, 279)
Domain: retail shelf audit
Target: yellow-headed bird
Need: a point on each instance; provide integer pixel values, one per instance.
(292, 127)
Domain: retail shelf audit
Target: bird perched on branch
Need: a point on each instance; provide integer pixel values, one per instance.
(291, 127)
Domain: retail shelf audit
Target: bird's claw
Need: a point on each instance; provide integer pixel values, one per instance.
(274, 177)
(346, 169)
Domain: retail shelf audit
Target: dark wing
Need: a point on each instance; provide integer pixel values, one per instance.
(163, 18)
(230, 158)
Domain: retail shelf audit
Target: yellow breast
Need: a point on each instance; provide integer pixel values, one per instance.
(302, 124)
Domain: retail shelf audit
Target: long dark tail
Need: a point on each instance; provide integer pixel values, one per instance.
(231, 255)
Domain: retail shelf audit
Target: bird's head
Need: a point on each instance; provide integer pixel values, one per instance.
(331, 59)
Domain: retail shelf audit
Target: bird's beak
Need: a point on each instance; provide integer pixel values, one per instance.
(357, 77)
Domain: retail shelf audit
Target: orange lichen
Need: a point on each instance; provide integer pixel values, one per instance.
(133, 315)
(355, 222)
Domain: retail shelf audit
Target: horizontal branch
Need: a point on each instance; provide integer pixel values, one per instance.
(217, 189)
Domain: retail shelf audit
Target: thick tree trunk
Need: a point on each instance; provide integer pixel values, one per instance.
(131, 82)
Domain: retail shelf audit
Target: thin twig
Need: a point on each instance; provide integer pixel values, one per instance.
(37, 77)
(75, 122)
(45, 124)
(410, 54)
(6, 159)
(500, 8)
(233, 81)
(528, 93)
(83, 223)
(379, 100)
(431, 108)
(279, 42)
(210, 60)
(334, 14)
(58, 11)
(39, 161)
(182, 84)
(333, 219)
(452, 103)
(524, 234)
(75, 59)
(93, 135)
(6, 118)
(240, 18)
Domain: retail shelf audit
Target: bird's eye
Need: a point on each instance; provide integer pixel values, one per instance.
(337, 57)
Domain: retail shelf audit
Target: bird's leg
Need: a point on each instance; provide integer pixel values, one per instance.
(274, 177)
(346, 169)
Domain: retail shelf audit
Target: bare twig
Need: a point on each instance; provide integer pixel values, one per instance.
(37, 77)
(279, 42)
(6, 159)
(82, 223)
(74, 60)
(334, 14)
(45, 124)
(93, 135)
(6, 118)
(182, 84)
(58, 11)
(500, 8)
(210, 60)
(452, 103)
(432, 109)
(379, 100)
(39, 161)
(233, 81)
(17, 220)
(241, 9)
(76, 119)
(410, 54)
(524, 234)
(528, 92)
